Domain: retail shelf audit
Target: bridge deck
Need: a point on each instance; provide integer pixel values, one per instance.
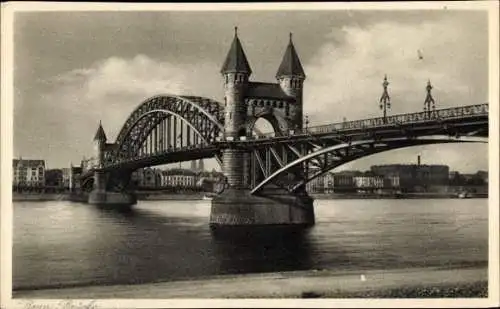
(464, 120)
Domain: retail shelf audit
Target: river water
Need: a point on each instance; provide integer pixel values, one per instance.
(60, 243)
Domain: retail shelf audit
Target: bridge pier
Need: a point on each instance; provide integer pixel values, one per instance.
(237, 207)
(100, 197)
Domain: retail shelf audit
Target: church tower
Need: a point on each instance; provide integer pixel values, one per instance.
(291, 78)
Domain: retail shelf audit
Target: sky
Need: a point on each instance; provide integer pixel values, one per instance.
(73, 69)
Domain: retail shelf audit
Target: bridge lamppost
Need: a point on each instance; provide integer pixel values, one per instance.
(428, 100)
(385, 100)
(306, 121)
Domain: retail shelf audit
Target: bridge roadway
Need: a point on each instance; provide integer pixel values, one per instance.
(458, 121)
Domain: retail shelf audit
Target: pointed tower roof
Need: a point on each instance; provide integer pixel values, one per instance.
(290, 65)
(236, 61)
(100, 135)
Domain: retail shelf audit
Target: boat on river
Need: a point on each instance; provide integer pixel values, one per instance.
(464, 194)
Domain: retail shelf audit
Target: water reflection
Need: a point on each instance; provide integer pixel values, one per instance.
(262, 249)
(61, 243)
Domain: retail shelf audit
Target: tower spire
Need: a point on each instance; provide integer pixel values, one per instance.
(236, 60)
(290, 64)
(100, 135)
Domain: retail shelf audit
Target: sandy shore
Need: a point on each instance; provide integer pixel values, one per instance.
(418, 282)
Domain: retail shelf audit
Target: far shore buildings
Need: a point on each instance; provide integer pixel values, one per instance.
(28, 173)
(391, 178)
(195, 178)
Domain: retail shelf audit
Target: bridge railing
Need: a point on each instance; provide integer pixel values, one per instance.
(436, 115)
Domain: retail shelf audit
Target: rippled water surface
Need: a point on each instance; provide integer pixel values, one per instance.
(63, 243)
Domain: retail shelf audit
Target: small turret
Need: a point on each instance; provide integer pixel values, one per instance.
(236, 72)
(290, 72)
(236, 61)
(99, 145)
(291, 76)
(100, 135)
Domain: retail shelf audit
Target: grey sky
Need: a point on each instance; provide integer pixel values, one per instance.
(74, 68)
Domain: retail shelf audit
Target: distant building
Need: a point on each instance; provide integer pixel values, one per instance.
(343, 182)
(328, 182)
(174, 178)
(74, 177)
(392, 182)
(151, 178)
(414, 177)
(317, 184)
(54, 178)
(66, 177)
(28, 173)
(181, 178)
(147, 178)
(368, 182)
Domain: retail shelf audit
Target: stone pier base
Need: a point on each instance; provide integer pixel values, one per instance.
(112, 199)
(237, 207)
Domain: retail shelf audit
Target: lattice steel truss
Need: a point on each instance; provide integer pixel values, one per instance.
(320, 159)
(166, 122)
(166, 129)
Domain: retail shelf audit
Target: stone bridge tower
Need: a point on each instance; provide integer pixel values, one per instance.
(245, 102)
(101, 193)
(99, 152)
(236, 72)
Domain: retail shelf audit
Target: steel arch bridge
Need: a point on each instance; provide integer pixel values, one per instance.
(167, 129)
(200, 119)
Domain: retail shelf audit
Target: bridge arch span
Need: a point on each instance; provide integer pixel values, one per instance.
(202, 115)
(334, 156)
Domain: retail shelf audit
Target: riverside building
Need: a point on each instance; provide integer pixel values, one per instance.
(28, 173)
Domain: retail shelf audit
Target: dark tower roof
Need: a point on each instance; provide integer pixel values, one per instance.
(236, 61)
(100, 135)
(290, 65)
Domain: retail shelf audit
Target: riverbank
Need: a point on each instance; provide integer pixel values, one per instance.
(345, 196)
(400, 283)
(43, 197)
(171, 196)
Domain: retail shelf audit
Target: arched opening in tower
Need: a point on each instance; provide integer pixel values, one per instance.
(263, 127)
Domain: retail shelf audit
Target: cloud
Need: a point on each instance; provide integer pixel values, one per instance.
(109, 91)
(346, 77)
(347, 71)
